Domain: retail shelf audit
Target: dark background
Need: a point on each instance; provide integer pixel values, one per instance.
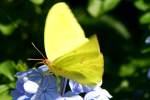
(121, 25)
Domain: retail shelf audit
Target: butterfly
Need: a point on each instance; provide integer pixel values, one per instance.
(70, 54)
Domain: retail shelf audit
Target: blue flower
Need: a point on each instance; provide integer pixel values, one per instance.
(40, 84)
(92, 93)
(147, 40)
(148, 74)
(71, 97)
(36, 84)
(77, 88)
(99, 94)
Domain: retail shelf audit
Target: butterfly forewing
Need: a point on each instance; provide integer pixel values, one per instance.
(62, 32)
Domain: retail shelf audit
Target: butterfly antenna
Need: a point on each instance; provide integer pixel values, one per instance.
(38, 51)
(34, 59)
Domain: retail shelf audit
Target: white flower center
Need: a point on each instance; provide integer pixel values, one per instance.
(30, 87)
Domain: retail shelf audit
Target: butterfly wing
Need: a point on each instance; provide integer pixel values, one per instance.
(84, 65)
(62, 32)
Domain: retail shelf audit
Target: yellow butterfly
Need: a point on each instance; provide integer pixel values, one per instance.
(70, 54)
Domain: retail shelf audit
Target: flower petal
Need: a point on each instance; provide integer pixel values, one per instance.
(148, 74)
(77, 88)
(24, 97)
(75, 97)
(28, 83)
(47, 89)
(147, 40)
(106, 93)
(43, 68)
(99, 94)
(30, 87)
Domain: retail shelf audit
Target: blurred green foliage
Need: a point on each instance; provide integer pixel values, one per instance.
(121, 25)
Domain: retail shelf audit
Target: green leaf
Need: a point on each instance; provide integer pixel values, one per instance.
(94, 7)
(109, 21)
(99, 7)
(126, 70)
(37, 2)
(5, 96)
(145, 19)
(146, 50)
(130, 68)
(21, 66)
(123, 85)
(3, 88)
(141, 62)
(8, 29)
(117, 25)
(7, 68)
(4, 91)
(12, 84)
(141, 5)
(110, 4)
(6, 87)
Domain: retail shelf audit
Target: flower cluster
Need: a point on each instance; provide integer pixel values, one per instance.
(39, 84)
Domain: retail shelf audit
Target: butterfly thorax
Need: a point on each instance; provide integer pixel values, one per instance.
(50, 65)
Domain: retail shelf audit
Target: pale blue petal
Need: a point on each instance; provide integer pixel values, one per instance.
(75, 97)
(19, 91)
(148, 74)
(43, 68)
(77, 88)
(45, 81)
(30, 87)
(100, 94)
(24, 97)
(47, 89)
(147, 40)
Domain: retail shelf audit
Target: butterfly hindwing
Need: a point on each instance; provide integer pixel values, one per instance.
(84, 65)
